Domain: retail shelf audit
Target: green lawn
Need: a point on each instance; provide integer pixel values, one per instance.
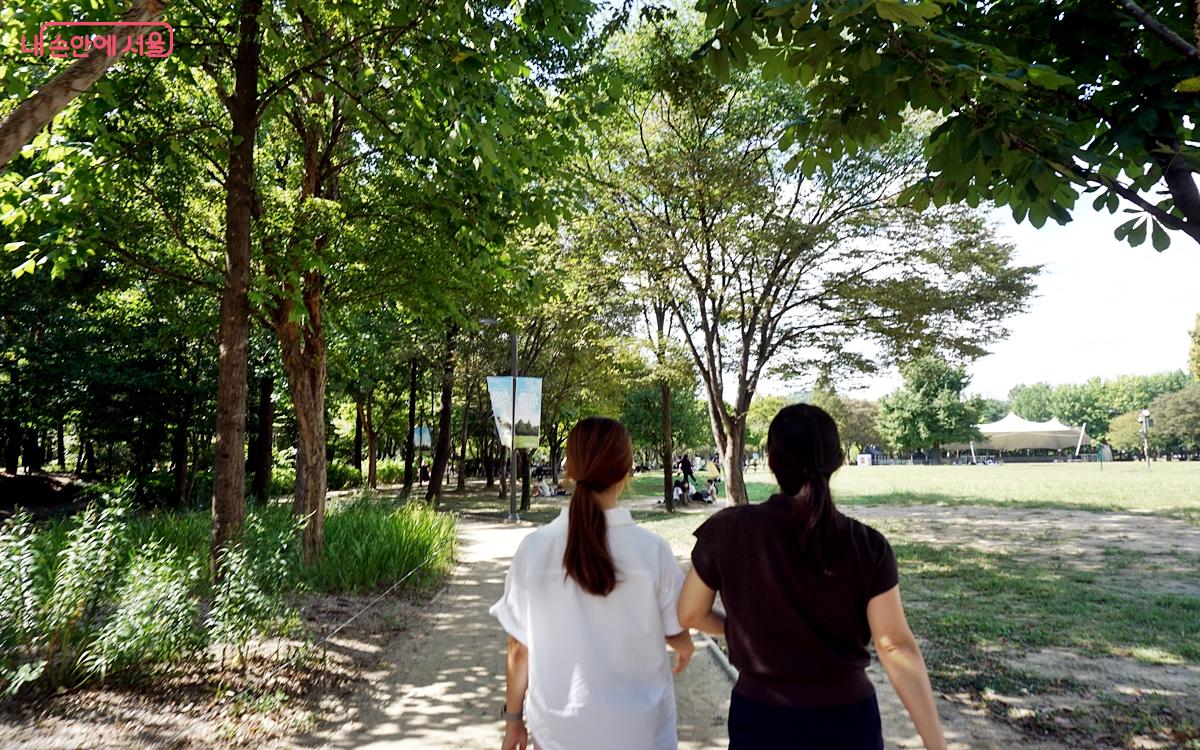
(1171, 488)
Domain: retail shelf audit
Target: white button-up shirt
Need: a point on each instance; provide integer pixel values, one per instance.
(599, 674)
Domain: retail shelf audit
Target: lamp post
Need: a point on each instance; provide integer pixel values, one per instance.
(1147, 423)
(512, 448)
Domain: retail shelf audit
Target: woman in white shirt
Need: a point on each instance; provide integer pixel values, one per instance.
(588, 602)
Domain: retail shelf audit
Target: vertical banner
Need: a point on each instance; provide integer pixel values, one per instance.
(529, 409)
(422, 438)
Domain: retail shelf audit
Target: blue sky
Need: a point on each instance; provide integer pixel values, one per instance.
(1101, 308)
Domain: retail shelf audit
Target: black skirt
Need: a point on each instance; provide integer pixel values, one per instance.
(754, 725)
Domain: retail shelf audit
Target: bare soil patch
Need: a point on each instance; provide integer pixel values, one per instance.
(262, 704)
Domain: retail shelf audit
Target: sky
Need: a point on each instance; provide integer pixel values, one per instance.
(1101, 308)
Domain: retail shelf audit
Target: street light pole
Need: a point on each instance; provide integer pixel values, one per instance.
(512, 475)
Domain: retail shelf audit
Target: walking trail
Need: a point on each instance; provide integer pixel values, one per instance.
(442, 687)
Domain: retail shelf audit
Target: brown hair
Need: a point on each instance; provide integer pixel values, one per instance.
(599, 455)
(803, 451)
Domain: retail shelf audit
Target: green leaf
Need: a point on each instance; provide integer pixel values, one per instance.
(1159, 238)
(1189, 85)
(28, 266)
(1138, 234)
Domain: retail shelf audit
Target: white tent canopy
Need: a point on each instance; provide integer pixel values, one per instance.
(1016, 433)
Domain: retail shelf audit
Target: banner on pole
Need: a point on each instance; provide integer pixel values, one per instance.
(422, 438)
(529, 409)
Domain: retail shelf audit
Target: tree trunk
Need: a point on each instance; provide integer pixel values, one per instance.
(462, 452)
(489, 468)
(36, 112)
(441, 455)
(264, 442)
(60, 444)
(552, 440)
(412, 423)
(89, 458)
(937, 454)
(358, 431)
(667, 448)
(12, 447)
(523, 464)
(304, 361)
(504, 464)
(372, 442)
(179, 453)
(229, 478)
(735, 484)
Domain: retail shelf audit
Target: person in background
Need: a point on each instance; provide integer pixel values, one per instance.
(590, 605)
(543, 488)
(803, 607)
(685, 468)
(713, 492)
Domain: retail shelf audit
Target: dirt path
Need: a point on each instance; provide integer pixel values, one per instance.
(442, 687)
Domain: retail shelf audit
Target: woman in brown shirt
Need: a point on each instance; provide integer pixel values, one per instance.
(805, 589)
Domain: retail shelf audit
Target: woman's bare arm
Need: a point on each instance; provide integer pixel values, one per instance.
(696, 606)
(901, 659)
(517, 674)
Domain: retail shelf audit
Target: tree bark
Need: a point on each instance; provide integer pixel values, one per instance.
(36, 112)
(303, 351)
(229, 478)
(462, 451)
(667, 450)
(179, 453)
(735, 483)
(358, 431)
(12, 447)
(60, 444)
(489, 468)
(523, 464)
(264, 443)
(441, 455)
(412, 423)
(372, 442)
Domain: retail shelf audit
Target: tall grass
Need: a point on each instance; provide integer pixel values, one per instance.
(112, 592)
(369, 545)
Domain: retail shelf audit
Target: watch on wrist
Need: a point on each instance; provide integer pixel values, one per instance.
(508, 716)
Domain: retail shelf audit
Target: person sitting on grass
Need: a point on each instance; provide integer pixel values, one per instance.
(590, 605)
(543, 488)
(677, 493)
(805, 589)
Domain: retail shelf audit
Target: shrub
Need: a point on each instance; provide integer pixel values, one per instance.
(156, 620)
(248, 601)
(388, 471)
(283, 480)
(341, 476)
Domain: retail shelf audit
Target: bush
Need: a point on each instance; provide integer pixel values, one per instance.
(388, 471)
(101, 593)
(156, 618)
(341, 476)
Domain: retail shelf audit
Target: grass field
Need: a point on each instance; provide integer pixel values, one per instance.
(1166, 487)
(1062, 598)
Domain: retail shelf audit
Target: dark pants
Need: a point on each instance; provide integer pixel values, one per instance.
(761, 726)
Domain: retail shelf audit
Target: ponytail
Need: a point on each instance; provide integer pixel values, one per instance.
(814, 517)
(803, 451)
(599, 456)
(587, 558)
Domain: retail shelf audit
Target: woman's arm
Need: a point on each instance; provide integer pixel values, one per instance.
(901, 659)
(516, 737)
(696, 606)
(684, 649)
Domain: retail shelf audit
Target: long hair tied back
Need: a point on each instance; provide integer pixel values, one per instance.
(599, 455)
(803, 451)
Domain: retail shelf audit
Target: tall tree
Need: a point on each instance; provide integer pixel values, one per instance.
(929, 410)
(778, 270)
